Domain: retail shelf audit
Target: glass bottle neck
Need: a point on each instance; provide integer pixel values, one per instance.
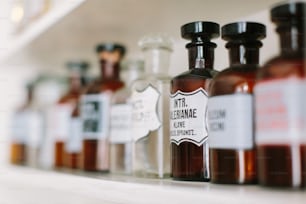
(243, 54)
(157, 61)
(131, 75)
(201, 56)
(109, 70)
(292, 41)
(76, 81)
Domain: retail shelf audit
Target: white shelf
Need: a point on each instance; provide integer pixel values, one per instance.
(24, 185)
(34, 30)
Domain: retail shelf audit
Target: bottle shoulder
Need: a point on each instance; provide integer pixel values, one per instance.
(99, 86)
(233, 80)
(197, 74)
(282, 67)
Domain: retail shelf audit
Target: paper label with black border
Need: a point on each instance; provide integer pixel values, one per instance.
(95, 115)
(188, 117)
(144, 112)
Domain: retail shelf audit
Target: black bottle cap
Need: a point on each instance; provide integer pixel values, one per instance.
(243, 31)
(80, 66)
(203, 29)
(111, 47)
(289, 13)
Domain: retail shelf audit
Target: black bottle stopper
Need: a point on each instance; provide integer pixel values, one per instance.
(111, 47)
(200, 31)
(289, 13)
(243, 31)
(78, 66)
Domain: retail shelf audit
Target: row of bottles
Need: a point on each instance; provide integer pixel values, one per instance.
(242, 125)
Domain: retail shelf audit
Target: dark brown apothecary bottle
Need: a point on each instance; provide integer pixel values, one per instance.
(188, 128)
(230, 107)
(73, 144)
(280, 103)
(64, 108)
(95, 109)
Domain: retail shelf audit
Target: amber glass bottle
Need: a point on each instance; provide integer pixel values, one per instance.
(230, 107)
(280, 104)
(64, 109)
(73, 146)
(188, 103)
(95, 109)
(20, 137)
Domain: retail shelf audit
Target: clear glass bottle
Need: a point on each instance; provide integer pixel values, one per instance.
(188, 104)
(95, 109)
(121, 120)
(230, 107)
(150, 110)
(280, 103)
(64, 108)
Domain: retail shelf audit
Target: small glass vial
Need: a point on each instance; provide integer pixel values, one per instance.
(280, 103)
(95, 109)
(230, 107)
(121, 120)
(188, 104)
(64, 108)
(150, 110)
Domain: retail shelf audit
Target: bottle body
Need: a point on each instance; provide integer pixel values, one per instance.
(189, 147)
(232, 149)
(73, 145)
(150, 126)
(95, 114)
(121, 133)
(279, 132)
(63, 111)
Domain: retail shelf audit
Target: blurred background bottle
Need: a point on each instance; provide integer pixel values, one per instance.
(95, 108)
(150, 109)
(121, 120)
(280, 103)
(65, 107)
(20, 129)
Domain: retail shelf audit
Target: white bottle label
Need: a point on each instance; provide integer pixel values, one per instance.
(188, 117)
(20, 129)
(144, 112)
(95, 111)
(280, 111)
(230, 121)
(74, 142)
(121, 123)
(35, 125)
(61, 120)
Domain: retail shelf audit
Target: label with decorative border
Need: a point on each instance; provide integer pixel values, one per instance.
(144, 112)
(188, 117)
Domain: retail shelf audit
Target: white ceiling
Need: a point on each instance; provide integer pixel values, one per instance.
(76, 35)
